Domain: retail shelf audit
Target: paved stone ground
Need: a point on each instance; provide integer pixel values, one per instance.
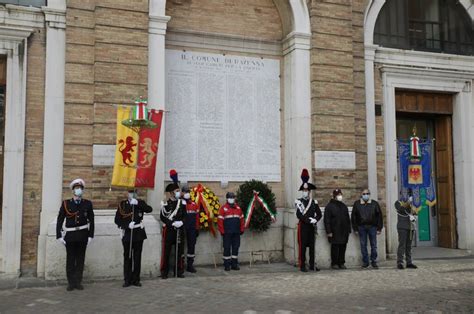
(437, 286)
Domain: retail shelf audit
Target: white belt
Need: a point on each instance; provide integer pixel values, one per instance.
(86, 226)
(140, 225)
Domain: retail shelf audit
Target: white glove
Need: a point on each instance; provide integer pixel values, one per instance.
(131, 225)
(133, 201)
(177, 224)
(89, 240)
(312, 220)
(61, 240)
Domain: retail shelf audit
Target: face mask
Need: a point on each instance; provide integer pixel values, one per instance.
(410, 199)
(177, 194)
(230, 201)
(187, 196)
(339, 198)
(365, 197)
(78, 192)
(131, 195)
(305, 194)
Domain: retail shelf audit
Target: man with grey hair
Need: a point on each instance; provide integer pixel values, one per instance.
(367, 221)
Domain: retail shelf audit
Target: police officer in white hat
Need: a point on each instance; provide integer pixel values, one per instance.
(77, 232)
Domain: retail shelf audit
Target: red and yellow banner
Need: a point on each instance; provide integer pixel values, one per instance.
(135, 154)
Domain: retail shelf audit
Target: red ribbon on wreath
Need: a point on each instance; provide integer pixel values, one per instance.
(201, 202)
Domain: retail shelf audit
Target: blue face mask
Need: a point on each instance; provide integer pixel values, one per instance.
(365, 197)
(78, 192)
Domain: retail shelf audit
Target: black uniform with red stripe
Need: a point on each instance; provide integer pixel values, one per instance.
(172, 211)
(231, 226)
(77, 213)
(191, 225)
(307, 208)
(123, 217)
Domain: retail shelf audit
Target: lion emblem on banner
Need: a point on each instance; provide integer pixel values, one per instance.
(126, 148)
(148, 148)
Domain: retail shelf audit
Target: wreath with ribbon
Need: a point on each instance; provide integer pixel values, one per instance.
(258, 203)
(208, 204)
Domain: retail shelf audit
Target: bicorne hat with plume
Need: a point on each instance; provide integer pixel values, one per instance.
(175, 185)
(305, 178)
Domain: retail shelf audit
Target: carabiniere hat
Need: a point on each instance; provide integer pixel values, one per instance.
(175, 185)
(305, 178)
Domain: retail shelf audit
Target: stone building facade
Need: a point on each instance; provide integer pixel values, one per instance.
(69, 62)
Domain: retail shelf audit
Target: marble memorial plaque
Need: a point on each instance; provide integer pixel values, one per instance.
(223, 117)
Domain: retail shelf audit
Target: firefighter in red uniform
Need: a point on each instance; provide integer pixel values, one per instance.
(231, 227)
(191, 226)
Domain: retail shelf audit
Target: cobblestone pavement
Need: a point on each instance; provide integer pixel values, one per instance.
(437, 286)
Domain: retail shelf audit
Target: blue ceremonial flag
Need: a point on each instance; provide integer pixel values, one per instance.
(415, 173)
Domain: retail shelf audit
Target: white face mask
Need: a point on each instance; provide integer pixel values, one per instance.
(131, 195)
(78, 192)
(230, 201)
(187, 196)
(305, 194)
(177, 194)
(410, 199)
(339, 198)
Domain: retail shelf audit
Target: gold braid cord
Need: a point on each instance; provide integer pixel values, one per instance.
(123, 213)
(68, 213)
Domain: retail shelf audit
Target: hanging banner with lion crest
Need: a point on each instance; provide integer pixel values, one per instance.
(136, 151)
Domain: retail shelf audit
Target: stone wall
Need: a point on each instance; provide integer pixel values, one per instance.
(106, 64)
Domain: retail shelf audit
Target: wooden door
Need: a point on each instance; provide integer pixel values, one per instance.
(447, 236)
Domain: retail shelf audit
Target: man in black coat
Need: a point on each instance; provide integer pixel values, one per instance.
(77, 232)
(338, 228)
(308, 214)
(173, 214)
(129, 218)
(367, 221)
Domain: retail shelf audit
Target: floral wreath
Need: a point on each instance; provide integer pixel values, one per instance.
(209, 206)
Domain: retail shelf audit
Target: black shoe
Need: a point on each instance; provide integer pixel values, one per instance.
(126, 284)
(164, 276)
(342, 266)
(180, 275)
(365, 265)
(190, 269)
(314, 268)
(79, 287)
(412, 266)
(400, 266)
(236, 267)
(303, 269)
(137, 284)
(375, 266)
(227, 268)
(69, 288)
(334, 267)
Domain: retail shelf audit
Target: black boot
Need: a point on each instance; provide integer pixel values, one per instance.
(189, 265)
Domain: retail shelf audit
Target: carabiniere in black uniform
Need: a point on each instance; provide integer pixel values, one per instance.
(123, 218)
(307, 208)
(173, 211)
(79, 216)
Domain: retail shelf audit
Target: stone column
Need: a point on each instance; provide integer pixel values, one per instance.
(156, 89)
(370, 119)
(53, 146)
(297, 111)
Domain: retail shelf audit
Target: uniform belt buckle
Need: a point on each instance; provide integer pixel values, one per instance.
(77, 229)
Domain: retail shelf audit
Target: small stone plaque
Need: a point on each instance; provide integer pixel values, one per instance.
(334, 160)
(103, 155)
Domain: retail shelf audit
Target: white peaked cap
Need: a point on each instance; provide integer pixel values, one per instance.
(77, 181)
